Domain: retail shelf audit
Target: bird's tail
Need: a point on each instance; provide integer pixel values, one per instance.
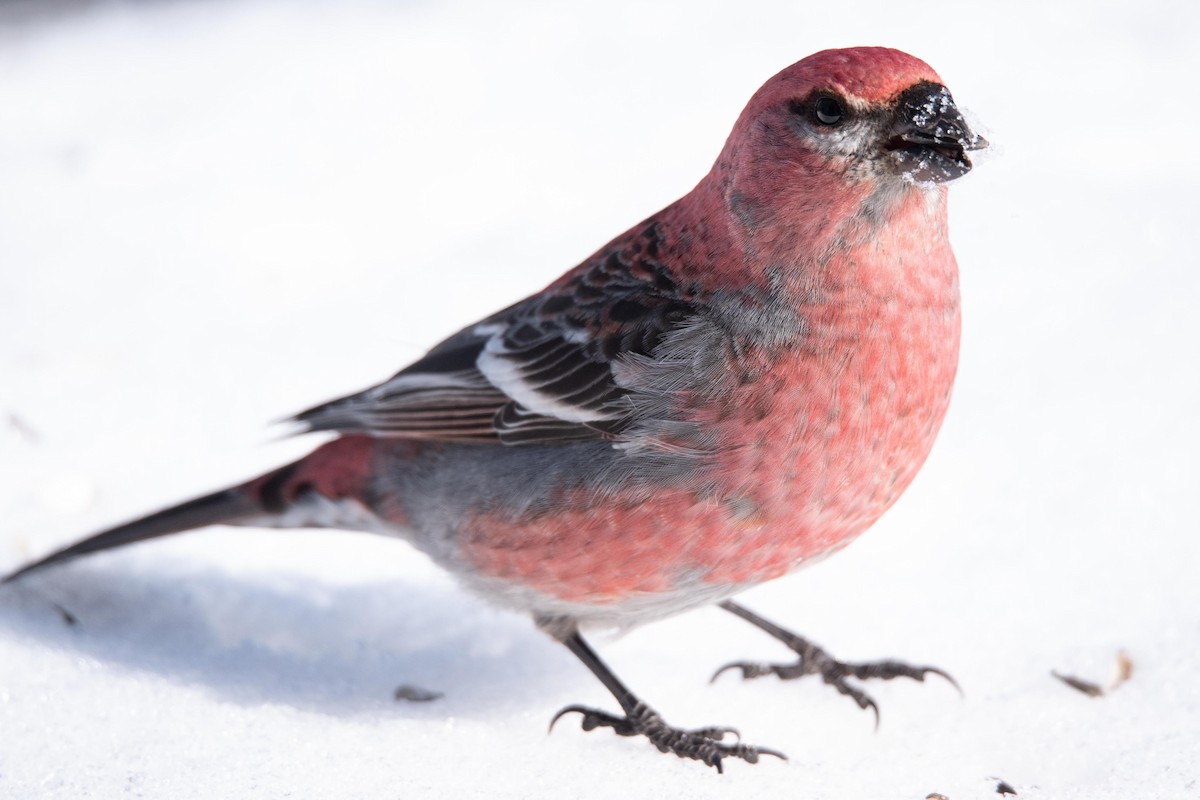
(333, 472)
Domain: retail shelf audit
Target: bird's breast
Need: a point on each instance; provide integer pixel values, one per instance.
(818, 439)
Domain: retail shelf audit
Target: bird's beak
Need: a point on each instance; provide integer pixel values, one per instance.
(929, 138)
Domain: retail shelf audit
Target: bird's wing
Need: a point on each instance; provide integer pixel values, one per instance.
(539, 371)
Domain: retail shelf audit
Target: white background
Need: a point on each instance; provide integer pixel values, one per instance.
(214, 214)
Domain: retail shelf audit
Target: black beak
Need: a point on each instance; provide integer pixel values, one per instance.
(929, 137)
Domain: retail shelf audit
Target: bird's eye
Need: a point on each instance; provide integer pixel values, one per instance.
(828, 111)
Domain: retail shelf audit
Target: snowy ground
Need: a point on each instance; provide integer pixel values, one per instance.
(214, 214)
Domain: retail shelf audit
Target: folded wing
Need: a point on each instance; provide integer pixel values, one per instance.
(540, 371)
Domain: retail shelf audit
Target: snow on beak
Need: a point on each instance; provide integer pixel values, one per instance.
(929, 138)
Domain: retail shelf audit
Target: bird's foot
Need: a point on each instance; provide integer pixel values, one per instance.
(702, 744)
(813, 660)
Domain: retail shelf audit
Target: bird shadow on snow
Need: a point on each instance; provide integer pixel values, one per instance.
(334, 649)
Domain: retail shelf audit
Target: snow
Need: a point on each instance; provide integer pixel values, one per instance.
(215, 214)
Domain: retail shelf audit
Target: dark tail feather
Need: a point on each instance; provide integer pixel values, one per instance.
(336, 470)
(229, 505)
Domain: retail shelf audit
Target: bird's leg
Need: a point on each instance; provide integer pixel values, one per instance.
(703, 744)
(812, 660)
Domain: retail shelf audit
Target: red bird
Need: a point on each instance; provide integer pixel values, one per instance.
(734, 388)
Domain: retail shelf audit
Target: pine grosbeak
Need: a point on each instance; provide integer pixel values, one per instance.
(734, 388)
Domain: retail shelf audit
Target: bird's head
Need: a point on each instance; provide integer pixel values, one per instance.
(861, 125)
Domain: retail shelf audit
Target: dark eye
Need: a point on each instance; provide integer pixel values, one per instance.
(827, 111)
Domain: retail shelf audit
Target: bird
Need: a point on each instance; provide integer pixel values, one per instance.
(734, 388)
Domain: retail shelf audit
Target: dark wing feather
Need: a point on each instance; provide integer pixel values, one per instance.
(539, 371)
(441, 396)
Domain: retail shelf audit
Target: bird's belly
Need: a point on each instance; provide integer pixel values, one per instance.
(801, 485)
(808, 451)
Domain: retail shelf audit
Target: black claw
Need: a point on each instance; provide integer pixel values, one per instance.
(947, 677)
(594, 718)
(726, 668)
(562, 712)
(750, 669)
(719, 671)
(766, 751)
